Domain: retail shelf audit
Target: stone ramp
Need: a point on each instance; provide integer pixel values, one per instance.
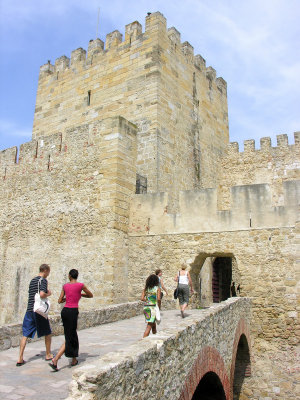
(36, 380)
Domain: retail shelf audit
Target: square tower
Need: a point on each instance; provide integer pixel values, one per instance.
(154, 81)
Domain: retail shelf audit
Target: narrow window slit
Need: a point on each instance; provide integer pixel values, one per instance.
(61, 142)
(36, 149)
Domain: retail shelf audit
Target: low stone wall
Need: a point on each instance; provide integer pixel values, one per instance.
(10, 334)
(159, 367)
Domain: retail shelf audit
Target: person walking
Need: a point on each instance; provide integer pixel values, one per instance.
(71, 294)
(34, 322)
(151, 296)
(161, 285)
(184, 281)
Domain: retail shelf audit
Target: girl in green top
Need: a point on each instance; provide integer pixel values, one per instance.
(151, 296)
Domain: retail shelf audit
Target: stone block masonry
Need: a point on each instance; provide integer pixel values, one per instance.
(66, 203)
(272, 165)
(250, 207)
(265, 260)
(169, 365)
(68, 199)
(154, 81)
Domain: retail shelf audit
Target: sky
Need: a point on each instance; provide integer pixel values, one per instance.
(253, 44)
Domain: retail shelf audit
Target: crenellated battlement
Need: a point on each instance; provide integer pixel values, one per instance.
(44, 153)
(267, 165)
(129, 168)
(266, 145)
(134, 36)
(152, 78)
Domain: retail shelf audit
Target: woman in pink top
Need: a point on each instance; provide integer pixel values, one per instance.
(71, 294)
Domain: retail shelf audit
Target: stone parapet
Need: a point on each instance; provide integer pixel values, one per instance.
(10, 334)
(250, 207)
(167, 363)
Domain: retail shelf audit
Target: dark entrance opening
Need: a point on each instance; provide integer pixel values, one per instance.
(242, 368)
(221, 278)
(209, 388)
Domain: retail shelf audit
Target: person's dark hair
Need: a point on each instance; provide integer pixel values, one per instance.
(151, 281)
(73, 273)
(44, 267)
(158, 271)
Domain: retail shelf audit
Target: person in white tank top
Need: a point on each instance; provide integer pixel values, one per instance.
(183, 279)
(184, 282)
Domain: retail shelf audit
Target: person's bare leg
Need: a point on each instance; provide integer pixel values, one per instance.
(49, 355)
(23, 342)
(147, 330)
(154, 328)
(74, 361)
(59, 354)
(182, 308)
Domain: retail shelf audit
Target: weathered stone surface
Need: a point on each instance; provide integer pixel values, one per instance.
(159, 366)
(68, 198)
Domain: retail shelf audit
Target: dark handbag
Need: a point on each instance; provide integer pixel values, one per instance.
(176, 290)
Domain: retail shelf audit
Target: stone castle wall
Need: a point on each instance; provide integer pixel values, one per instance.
(271, 165)
(252, 218)
(154, 81)
(67, 198)
(256, 189)
(266, 262)
(66, 203)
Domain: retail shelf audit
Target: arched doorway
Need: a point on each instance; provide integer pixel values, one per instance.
(209, 388)
(221, 278)
(212, 275)
(242, 367)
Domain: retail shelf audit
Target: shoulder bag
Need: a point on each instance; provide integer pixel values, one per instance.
(176, 290)
(41, 306)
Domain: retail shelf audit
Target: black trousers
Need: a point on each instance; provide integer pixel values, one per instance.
(69, 318)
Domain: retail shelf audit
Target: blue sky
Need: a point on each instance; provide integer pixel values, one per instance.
(253, 44)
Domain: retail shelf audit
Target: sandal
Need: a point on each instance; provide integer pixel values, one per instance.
(19, 364)
(74, 364)
(53, 366)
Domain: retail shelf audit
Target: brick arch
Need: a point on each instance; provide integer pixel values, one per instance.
(241, 329)
(208, 360)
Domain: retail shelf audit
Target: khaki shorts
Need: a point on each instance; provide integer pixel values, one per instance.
(183, 293)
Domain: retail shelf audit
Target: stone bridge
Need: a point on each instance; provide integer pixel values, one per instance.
(206, 353)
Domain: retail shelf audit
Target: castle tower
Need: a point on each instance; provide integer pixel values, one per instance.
(154, 81)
